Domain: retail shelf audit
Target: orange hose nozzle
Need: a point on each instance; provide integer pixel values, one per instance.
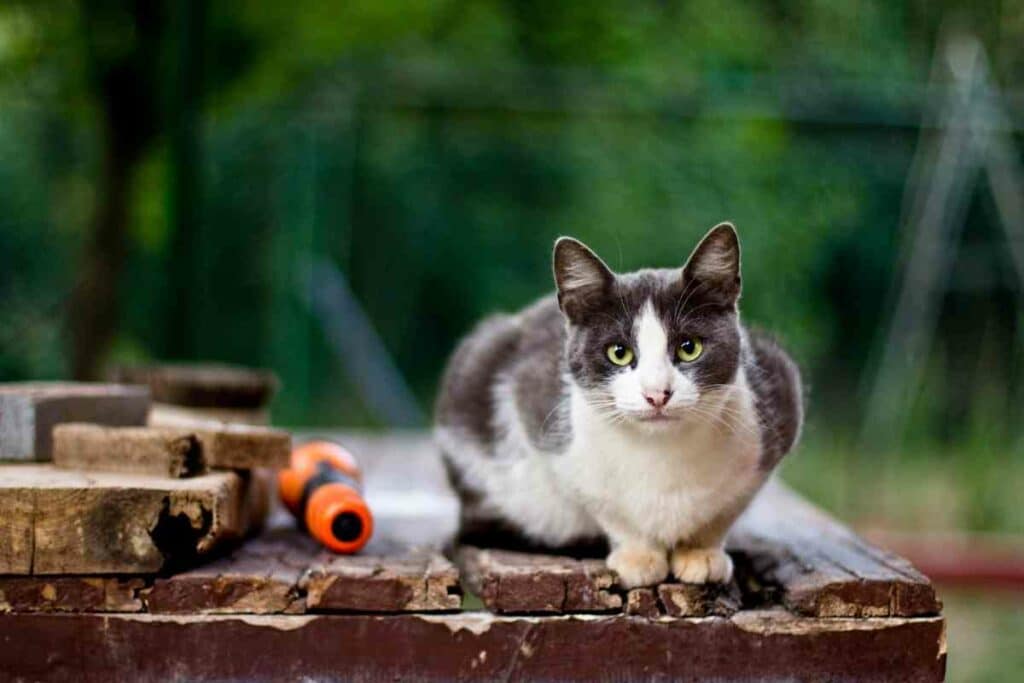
(322, 489)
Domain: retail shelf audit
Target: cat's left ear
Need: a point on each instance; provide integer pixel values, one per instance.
(714, 266)
(582, 278)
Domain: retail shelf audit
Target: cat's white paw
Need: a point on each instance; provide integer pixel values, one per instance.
(701, 565)
(638, 566)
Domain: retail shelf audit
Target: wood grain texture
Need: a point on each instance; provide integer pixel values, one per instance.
(133, 450)
(70, 594)
(690, 600)
(169, 451)
(29, 411)
(285, 571)
(101, 523)
(407, 581)
(821, 568)
(515, 582)
(758, 645)
(261, 577)
(17, 516)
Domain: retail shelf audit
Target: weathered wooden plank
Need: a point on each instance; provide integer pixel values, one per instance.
(203, 386)
(166, 451)
(516, 582)
(642, 602)
(821, 568)
(284, 570)
(261, 577)
(101, 523)
(692, 600)
(70, 594)
(412, 580)
(29, 411)
(17, 510)
(765, 645)
(133, 450)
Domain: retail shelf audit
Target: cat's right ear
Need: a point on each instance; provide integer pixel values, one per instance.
(583, 279)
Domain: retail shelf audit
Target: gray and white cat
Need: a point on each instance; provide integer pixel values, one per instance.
(633, 407)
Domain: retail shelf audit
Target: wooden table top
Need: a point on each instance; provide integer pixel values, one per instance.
(811, 600)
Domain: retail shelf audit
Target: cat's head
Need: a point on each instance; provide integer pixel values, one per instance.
(648, 348)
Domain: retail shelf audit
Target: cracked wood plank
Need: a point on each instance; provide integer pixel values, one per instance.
(101, 523)
(169, 451)
(693, 600)
(642, 602)
(419, 580)
(518, 582)
(820, 568)
(70, 594)
(761, 645)
(260, 577)
(30, 410)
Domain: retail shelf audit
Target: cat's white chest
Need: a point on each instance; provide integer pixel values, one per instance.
(666, 485)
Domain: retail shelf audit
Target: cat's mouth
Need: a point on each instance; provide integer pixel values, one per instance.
(656, 417)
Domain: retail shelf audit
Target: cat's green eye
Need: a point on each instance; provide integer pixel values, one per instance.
(689, 349)
(619, 354)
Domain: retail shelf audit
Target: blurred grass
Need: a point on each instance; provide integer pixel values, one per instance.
(971, 485)
(985, 634)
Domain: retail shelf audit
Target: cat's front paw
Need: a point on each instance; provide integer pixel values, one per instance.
(638, 566)
(701, 565)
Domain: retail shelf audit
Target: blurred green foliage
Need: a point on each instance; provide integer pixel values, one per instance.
(433, 151)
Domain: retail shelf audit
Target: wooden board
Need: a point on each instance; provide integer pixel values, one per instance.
(285, 571)
(17, 514)
(812, 601)
(29, 411)
(818, 567)
(169, 452)
(786, 551)
(261, 577)
(511, 582)
(514, 582)
(101, 523)
(70, 594)
(405, 581)
(203, 386)
(752, 645)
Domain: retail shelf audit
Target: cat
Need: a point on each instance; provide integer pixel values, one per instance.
(633, 408)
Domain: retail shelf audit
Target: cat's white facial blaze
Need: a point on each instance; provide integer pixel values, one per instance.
(654, 376)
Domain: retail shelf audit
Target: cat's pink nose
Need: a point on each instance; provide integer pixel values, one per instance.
(658, 399)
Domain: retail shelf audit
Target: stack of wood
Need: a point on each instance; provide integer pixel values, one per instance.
(92, 489)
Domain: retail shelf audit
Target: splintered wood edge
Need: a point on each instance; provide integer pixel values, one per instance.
(224, 593)
(690, 600)
(210, 506)
(170, 451)
(177, 454)
(416, 582)
(794, 548)
(70, 594)
(509, 582)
